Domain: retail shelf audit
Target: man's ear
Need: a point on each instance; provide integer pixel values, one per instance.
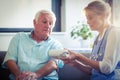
(34, 22)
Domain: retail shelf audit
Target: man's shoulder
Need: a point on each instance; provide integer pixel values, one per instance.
(53, 39)
(22, 34)
(56, 44)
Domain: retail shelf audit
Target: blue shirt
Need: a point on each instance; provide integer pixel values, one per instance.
(30, 55)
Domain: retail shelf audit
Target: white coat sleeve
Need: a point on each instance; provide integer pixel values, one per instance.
(112, 52)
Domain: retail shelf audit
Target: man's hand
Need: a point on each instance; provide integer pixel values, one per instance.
(27, 75)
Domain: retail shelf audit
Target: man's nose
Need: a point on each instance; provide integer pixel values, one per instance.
(47, 25)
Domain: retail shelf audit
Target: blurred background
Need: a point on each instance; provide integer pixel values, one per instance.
(17, 16)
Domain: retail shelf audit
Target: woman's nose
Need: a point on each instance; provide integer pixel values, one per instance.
(88, 22)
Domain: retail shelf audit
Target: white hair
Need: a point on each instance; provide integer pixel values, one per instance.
(39, 13)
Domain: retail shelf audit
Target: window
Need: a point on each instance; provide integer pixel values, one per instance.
(17, 16)
(56, 8)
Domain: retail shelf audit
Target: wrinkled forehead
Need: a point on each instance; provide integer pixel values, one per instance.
(47, 17)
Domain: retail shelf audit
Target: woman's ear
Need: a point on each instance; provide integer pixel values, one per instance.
(104, 16)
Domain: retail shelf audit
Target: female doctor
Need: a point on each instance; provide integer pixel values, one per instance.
(104, 62)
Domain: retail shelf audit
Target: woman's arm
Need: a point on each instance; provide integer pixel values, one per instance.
(85, 68)
(87, 61)
(76, 59)
(83, 59)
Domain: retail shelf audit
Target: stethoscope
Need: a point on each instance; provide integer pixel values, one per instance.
(94, 56)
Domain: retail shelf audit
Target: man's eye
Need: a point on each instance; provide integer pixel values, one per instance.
(50, 23)
(44, 21)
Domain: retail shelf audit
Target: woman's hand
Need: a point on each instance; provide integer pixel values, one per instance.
(69, 59)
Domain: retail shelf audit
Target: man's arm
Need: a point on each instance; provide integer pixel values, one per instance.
(45, 70)
(13, 67)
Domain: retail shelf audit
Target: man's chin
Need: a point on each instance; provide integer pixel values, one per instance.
(47, 34)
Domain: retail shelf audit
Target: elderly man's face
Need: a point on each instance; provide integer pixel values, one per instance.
(44, 25)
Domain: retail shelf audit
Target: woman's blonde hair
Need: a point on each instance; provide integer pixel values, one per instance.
(99, 7)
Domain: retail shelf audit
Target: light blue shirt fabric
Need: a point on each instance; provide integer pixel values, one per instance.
(30, 55)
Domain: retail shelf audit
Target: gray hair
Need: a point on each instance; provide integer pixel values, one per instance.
(39, 13)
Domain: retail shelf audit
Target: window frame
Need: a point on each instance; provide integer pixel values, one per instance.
(56, 8)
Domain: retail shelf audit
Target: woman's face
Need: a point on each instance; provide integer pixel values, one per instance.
(94, 20)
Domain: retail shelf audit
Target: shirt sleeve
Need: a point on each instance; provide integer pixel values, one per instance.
(111, 55)
(58, 45)
(58, 62)
(12, 49)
